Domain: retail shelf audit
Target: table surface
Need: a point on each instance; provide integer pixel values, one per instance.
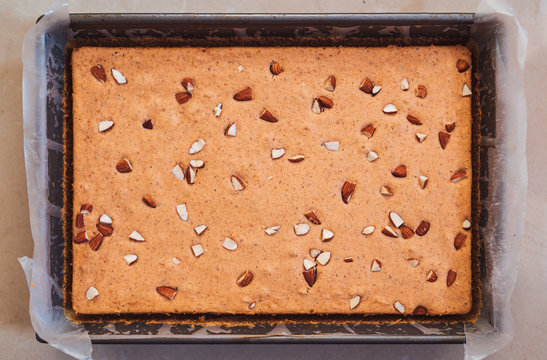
(16, 333)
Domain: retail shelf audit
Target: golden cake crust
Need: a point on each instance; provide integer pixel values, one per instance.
(278, 192)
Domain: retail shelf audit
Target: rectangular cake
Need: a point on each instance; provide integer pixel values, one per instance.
(271, 180)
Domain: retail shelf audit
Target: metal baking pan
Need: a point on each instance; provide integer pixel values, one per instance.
(373, 30)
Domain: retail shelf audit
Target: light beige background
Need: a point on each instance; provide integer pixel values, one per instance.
(528, 301)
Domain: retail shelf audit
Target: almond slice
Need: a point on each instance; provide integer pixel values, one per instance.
(105, 125)
(276, 68)
(167, 291)
(462, 65)
(229, 244)
(390, 109)
(315, 253)
(308, 264)
(310, 276)
(252, 305)
(178, 171)
(423, 181)
(421, 137)
(267, 116)
(182, 211)
(136, 236)
(354, 301)
(330, 84)
(466, 224)
(458, 176)
(444, 137)
(105, 219)
(366, 86)
(105, 229)
(399, 171)
(348, 259)
(231, 129)
(388, 231)
(175, 261)
(331, 145)
(413, 262)
(376, 265)
(404, 84)
(124, 166)
(386, 191)
(197, 164)
(399, 307)
(347, 191)
(243, 95)
(459, 240)
(451, 277)
(423, 228)
(421, 92)
(396, 219)
(296, 158)
(413, 119)
(81, 237)
(431, 276)
(198, 250)
(325, 102)
(277, 153)
(372, 156)
(237, 183)
(368, 130)
(98, 72)
(323, 258)
(196, 147)
(326, 235)
(245, 279)
(312, 217)
(96, 242)
(130, 259)
(118, 76)
(149, 201)
(301, 229)
(200, 229)
(217, 110)
(86, 208)
(466, 91)
(190, 175)
(80, 220)
(147, 124)
(183, 97)
(368, 230)
(419, 310)
(91, 293)
(272, 229)
(316, 108)
(406, 232)
(449, 127)
(376, 89)
(188, 84)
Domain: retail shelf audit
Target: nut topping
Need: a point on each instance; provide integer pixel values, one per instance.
(325, 102)
(147, 124)
(276, 68)
(421, 137)
(368, 230)
(366, 86)
(310, 276)
(323, 258)
(326, 235)
(347, 191)
(175, 261)
(462, 65)
(316, 108)
(267, 116)
(376, 89)
(190, 175)
(118, 76)
(81, 237)
(178, 171)
(105, 125)
(272, 229)
(200, 229)
(466, 224)
(229, 244)
(396, 219)
(399, 171)
(348, 259)
(136, 236)
(245, 279)
(413, 119)
(130, 259)
(458, 176)
(217, 110)
(390, 109)
(237, 183)
(297, 158)
(354, 301)
(183, 212)
(312, 217)
(459, 240)
(451, 277)
(404, 84)
(231, 129)
(196, 147)
(96, 242)
(423, 181)
(399, 307)
(197, 250)
(197, 164)
(388, 231)
(413, 262)
(315, 253)
(376, 265)
(449, 127)
(443, 138)
(167, 291)
(330, 84)
(149, 201)
(386, 191)
(91, 293)
(98, 72)
(368, 130)
(188, 84)
(183, 97)
(105, 219)
(308, 264)
(105, 229)
(421, 91)
(406, 232)
(244, 95)
(301, 229)
(372, 156)
(277, 153)
(431, 276)
(80, 220)
(423, 228)
(331, 145)
(124, 166)
(86, 208)
(466, 91)
(419, 310)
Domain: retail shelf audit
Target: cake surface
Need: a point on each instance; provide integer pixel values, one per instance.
(424, 271)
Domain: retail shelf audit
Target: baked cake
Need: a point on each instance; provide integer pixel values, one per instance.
(271, 180)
